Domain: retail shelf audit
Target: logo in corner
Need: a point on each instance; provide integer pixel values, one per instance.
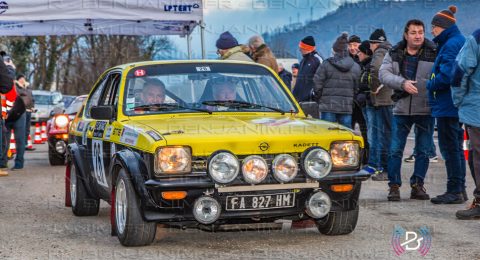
(3, 7)
(403, 241)
(186, 8)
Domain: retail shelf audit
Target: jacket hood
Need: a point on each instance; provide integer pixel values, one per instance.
(343, 64)
(443, 37)
(232, 51)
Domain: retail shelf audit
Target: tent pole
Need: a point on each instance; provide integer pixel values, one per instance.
(189, 47)
(202, 38)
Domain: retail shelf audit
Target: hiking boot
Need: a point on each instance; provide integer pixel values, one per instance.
(472, 212)
(383, 176)
(419, 192)
(3, 173)
(410, 158)
(394, 193)
(433, 159)
(448, 198)
(465, 196)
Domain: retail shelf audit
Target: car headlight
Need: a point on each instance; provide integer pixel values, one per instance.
(285, 168)
(317, 163)
(223, 167)
(254, 169)
(172, 160)
(61, 121)
(345, 154)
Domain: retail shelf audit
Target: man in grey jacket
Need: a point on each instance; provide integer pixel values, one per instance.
(406, 69)
(379, 112)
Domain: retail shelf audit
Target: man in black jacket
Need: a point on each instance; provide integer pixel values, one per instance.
(308, 66)
(7, 75)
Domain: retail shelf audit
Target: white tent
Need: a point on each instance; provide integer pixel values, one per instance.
(109, 17)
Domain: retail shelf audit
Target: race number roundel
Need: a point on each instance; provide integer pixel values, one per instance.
(140, 73)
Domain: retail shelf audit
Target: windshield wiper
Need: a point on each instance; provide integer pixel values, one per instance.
(240, 104)
(167, 106)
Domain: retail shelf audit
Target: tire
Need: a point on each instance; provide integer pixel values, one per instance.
(338, 223)
(130, 227)
(82, 203)
(55, 159)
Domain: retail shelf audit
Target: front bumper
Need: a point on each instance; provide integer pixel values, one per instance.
(180, 211)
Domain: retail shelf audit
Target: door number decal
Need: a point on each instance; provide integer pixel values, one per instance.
(98, 166)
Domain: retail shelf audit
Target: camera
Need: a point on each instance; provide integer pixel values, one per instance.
(399, 94)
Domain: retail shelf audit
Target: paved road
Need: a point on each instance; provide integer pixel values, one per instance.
(34, 224)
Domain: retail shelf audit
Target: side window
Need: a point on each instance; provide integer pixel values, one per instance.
(110, 93)
(95, 97)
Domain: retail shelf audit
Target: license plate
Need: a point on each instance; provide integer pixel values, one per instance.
(266, 201)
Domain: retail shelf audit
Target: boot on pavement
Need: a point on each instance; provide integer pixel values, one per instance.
(3, 173)
(472, 212)
(394, 193)
(419, 192)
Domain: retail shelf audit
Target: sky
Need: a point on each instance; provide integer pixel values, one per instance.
(245, 18)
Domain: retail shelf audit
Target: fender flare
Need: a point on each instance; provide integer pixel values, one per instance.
(134, 169)
(74, 152)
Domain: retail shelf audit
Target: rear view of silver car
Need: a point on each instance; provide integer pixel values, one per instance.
(45, 102)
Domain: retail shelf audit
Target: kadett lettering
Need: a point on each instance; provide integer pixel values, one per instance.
(304, 145)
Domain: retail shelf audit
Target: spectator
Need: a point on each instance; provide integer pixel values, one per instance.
(261, 53)
(7, 73)
(353, 43)
(26, 94)
(466, 97)
(308, 66)
(379, 111)
(285, 76)
(363, 95)
(449, 41)
(228, 48)
(295, 68)
(336, 82)
(406, 69)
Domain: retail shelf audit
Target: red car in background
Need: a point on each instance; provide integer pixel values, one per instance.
(57, 131)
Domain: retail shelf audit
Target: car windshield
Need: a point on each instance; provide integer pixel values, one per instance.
(204, 88)
(43, 99)
(75, 105)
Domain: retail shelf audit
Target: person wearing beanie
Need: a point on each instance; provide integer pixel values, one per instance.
(353, 43)
(336, 82)
(449, 41)
(465, 89)
(406, 69)
(229, 49)
(363, 96)
(295, 68)
(302, 90)
(379, 109)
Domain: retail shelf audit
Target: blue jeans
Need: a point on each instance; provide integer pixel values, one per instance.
(343, 119)
(423, 142)
(379, 125)
(19, 131)
(450, 140)
(28, 119)
(431, 153)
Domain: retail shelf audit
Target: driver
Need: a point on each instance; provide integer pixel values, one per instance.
(153, 92)
(224, 91)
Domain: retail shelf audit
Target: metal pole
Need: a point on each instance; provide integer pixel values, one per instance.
(202, 38)
(189, 47)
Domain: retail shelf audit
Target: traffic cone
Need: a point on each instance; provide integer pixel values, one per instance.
(44, 132)
(12, 147)
(38, 138)
(466, 144)
(29, 143)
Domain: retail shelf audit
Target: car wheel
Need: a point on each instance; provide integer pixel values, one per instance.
(82, 203)
(54, 158)
(130, 227)
(338, 223)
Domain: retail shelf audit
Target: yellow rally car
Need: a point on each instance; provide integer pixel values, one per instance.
(205, 143)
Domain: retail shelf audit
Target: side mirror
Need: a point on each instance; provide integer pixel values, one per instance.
(102, 113)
